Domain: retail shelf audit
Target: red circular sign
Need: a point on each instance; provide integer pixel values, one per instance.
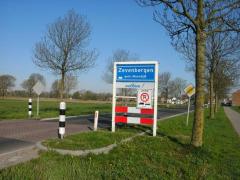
(144, 97)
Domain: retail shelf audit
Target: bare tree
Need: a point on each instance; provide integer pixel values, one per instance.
(55, 89)
(6, 83)
(226, 76)
(198, 19)
(31, 81)
(70, 84)
(119, 55)
(164, 84)
(63, 48)
(177, 86)
(169, 87)
(222, 53)
(220, 47)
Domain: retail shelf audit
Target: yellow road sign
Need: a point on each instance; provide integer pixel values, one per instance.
(189, 90)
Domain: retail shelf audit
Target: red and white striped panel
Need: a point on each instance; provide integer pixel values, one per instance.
(125, 109)
(133, 120)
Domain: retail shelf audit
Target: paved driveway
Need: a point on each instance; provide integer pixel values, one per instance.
(17, 134)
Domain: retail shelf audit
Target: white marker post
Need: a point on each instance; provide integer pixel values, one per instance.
(96, 120)
(189, 90)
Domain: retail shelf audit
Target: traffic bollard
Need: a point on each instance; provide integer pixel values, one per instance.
(96, 120)
(61, 129)
(30, 107)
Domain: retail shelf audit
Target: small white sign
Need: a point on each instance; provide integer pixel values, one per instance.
(144, 99)
(135, 85)
(38, 88)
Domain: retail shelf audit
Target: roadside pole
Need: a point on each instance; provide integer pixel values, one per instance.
(38, 106)
(114, 97)
(96, 120)
(189, 99)
(38, 88)
(155, 101)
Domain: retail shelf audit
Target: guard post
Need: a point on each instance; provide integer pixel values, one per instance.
(62, 118)
(30, 108)
(143, 77)
(96, 120)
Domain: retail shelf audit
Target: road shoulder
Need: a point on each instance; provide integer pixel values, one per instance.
(18, 156)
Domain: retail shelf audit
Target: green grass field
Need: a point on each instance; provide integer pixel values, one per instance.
(18, 109)
(167, 156)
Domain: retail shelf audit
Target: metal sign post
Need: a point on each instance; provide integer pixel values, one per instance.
(38, 106)
(114, 98)
(189, 99)
(189, 90)
(155, 100)
(38, 88)
(143, 77)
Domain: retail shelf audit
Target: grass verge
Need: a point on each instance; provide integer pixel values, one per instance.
(167, 156)
(18, 109)
(88, 140)
(236, 108)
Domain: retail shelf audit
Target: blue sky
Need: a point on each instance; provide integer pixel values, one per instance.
(115, 25)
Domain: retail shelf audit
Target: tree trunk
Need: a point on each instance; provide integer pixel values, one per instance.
(62, 85)
(198, 123)
(211, 96)
(197, 131)
(30, 92)
(216, 103)
(167, 93)
(2, 94)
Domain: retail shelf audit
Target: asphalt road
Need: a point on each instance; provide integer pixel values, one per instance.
(15, 135)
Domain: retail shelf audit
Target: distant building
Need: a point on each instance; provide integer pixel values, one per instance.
(236, 98)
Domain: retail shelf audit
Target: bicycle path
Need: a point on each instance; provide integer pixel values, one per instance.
(234, 117)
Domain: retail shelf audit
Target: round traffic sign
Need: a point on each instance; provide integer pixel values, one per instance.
(144, 97)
